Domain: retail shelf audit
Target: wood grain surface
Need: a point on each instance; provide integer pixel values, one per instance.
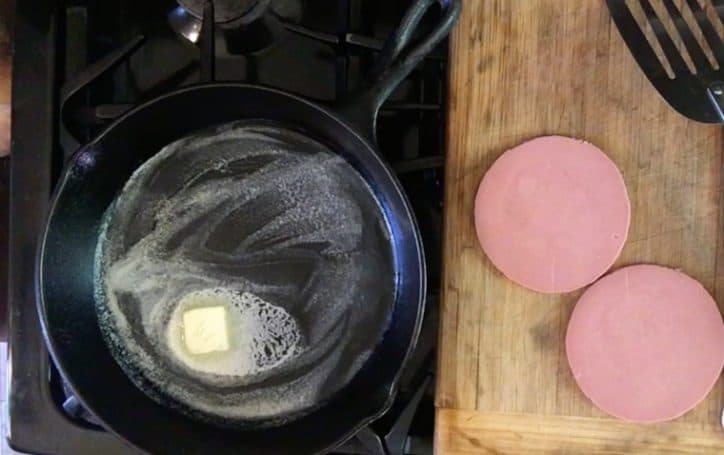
(460, 432)
(6, 21)
(522, 69)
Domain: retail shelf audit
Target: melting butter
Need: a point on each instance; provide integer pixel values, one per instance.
(204, 330)
(227, 333)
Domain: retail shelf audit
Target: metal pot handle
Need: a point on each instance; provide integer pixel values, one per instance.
(396, 62)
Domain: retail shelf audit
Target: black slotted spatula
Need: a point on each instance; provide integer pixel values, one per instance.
(693, 87)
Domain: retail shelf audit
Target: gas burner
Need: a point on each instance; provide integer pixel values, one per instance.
(238, 11)
(245, 27)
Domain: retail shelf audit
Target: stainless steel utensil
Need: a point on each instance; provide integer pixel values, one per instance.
(694, 88)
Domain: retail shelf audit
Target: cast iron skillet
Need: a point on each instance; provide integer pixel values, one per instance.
(97, 172)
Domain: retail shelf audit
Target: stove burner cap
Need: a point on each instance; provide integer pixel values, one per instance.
(227, 10)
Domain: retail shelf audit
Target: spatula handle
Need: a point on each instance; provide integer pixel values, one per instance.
(715, 92)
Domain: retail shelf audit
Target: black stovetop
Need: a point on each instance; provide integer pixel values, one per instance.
(80, 64)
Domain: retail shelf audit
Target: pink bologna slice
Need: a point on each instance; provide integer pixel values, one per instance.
(552, 214)
(646, 343)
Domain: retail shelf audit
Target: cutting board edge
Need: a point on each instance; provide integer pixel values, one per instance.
(465, 431)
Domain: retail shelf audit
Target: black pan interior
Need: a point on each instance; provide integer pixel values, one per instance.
(66, 285)
(267, 216)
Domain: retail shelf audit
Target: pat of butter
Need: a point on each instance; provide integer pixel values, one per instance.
(205, 330)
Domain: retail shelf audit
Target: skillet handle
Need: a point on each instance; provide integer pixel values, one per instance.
(396, 62)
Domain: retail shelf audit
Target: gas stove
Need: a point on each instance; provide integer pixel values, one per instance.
(78, 65)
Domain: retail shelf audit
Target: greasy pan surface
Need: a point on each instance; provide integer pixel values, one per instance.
(89, 184)
(295, 247)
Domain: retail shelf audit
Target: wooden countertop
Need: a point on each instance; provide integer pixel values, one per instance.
(6, 16)
(521, 69)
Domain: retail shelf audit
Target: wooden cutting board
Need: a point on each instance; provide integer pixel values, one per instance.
(521, 69)
(6, 22)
